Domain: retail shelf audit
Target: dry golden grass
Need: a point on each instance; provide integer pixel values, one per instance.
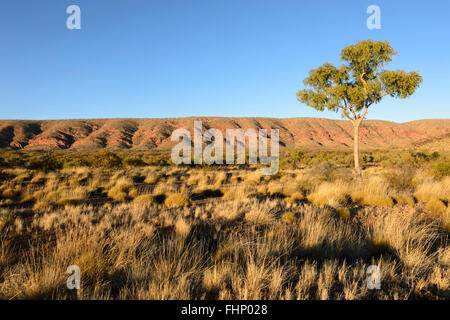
(288, 217)
(436, 206)
(331, 194)
(122, 189)
(404, 199)
(145, 199)
(290, 236)
(10, 193)
(295, 197)
(182, 228)
(343, 212)
(238, 193)
(432, 189)
(176, 200)
(260, 214)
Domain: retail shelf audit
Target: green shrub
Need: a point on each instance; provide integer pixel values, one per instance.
(134, 161)
(324, 171)
(74, 163)
(14, 159)
(105, 159)
(46, 162)
(441, 169)
(401, 178)
(156, 160)
(297, 157)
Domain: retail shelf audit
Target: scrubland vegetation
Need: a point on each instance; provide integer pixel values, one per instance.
(141, 228)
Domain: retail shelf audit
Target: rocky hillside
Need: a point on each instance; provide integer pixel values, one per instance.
(155, 133)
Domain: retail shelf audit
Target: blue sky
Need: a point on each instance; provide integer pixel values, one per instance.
(177, 58)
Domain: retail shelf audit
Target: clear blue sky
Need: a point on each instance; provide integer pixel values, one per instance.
(237, 58)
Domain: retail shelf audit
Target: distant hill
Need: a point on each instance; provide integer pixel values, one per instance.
(155, 133)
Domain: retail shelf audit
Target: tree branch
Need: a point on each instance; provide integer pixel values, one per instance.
(364, 83)
(354, 113)
(361, 116)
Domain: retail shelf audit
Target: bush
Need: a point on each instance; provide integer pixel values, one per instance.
(436, 205)
(156, 161)
(27, 198)
(324, 171)
(419, 158)
(152, 178)
(74, 163)
(331, 194)
(42, 205)
(297, 157)
(10, 193)
(343, 212)
(134, 161)
(6, 218)
(95, 266)
(14, 159)
(69, 202)
(176, 200)
(146, 199)
(404, 199)
(288, 217)
(364, 198)
(122, 190)
(105, 159)
(295, 197)
(441, 169)
(46, 162)
(401, 178)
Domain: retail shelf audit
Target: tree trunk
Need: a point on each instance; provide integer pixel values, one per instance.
(358, 172)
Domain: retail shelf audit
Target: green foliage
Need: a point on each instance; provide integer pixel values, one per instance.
(74, 162)
(401, 178)
(158, 160)
(400, 158)
(134, 161)
(105, 159)
(358, 83)
(435, 155)
(45, 162)
(14, 159)
(400, 84)
(297, 157)
(368, 158)
(441, 169)
(324, 171)
(419, 158)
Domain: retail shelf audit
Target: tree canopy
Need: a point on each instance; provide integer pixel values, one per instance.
(359, 82)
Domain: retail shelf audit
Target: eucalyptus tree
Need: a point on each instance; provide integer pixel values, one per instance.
(357, 84)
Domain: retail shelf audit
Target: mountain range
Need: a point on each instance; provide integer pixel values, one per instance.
(145, 134)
